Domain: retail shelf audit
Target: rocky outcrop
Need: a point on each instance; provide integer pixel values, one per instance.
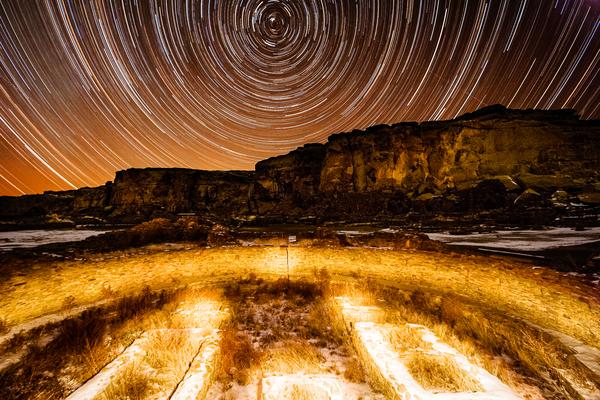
(33, 205)
(495, 165)
(92, 200)
(151, 192)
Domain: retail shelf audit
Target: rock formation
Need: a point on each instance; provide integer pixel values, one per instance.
(499, 164)
(153, 192)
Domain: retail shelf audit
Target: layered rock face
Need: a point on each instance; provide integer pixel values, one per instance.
(154, 191)
(511, 161)
(544, 149)
(289, 184)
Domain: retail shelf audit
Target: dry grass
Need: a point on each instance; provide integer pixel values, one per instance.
(132, 384)
(170, 351)
(535, 353)
(171, 346)
(354, 371)
(306, 392)
(266, 315)
(404, 338)
(500, 288)
(321, 325)
(486, 338)
(238, 357)
(438, 373)
(284, 328)
(4, 328)
(166, 358)
(293, 356)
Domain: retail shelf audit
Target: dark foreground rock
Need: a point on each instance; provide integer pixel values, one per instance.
(495, 167)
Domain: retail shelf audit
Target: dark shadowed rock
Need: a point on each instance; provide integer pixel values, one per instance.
(144, 193)
(590, 198)
(529, 198)
(487, 195)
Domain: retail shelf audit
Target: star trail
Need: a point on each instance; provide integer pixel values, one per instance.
(91, 87)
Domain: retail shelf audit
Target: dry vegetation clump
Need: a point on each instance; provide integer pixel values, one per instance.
(439, 373)
(237, 357)
(171, 351)
(354, 372)
(404, 339)
(77, 347)
(132, 384)
(321, 325)
(306, 392)
(293, 356)
(132, 306)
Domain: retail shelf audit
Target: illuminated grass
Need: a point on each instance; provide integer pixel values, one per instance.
(542, 296)
(438, 373)
(282, 329)
(84, 344)
(294, 356)
(171, 346)
(131, 384)
(403, 339)
(305, 392)
(488, 338)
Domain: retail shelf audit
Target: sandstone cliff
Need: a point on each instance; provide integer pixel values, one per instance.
(548, 149)
(505, 165)
(153, 191)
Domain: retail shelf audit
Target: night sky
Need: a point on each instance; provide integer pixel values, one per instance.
(89, 87)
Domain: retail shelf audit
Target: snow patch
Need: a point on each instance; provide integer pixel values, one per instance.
(522, 240)
(31, 238)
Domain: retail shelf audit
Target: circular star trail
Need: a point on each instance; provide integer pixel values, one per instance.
(91, 87)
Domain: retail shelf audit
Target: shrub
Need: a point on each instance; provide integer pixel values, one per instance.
(354, 371)
(419, 300)
(451, 311)
(131, 384)
(86, 330)
(237, 356)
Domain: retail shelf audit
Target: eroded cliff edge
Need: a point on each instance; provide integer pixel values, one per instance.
(495, 165)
